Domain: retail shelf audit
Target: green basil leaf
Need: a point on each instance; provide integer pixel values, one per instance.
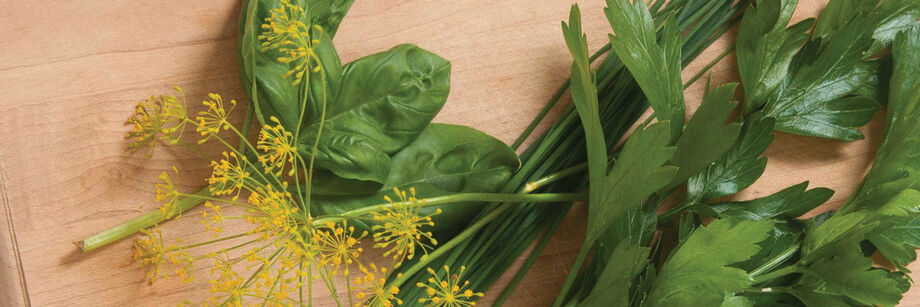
(384, 101)
(443, 160)
(328, 13)
(270, 93)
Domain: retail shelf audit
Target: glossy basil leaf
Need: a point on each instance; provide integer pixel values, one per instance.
(443, 160)
(328, 13)
(327, 183)
(384, 101)
(262, 75)
(789, 203)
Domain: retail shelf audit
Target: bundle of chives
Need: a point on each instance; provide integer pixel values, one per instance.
(500, 234)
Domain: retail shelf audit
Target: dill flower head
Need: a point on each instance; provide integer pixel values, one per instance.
(375, 292)
(227, 288)
(153, 254)
(167, 195)
(210, 121)
(287, 32)
(274, 213)
(449, 291)
(278, 147)
(401, 225)
(228, 175)
(214, 221)
(337, 245)
(162, 116)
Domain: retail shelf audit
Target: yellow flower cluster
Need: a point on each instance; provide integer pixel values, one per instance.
(167, 195)
(153, 254)
(401, 224)
(337, 245)
(162, 116)
(278, 147)
(376, 292)
(448, 291)
(228, 175)
(211, 121)
(283, 250)
(287, 32)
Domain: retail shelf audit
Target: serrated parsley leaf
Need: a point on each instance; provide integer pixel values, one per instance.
(698, 272)
(655, 67)
(765, 49)
(897, 162)
(851, 274)
(810, 102)
(899, 242)
(789, 203)
(739, 167)
(706, 136)
(613, 285)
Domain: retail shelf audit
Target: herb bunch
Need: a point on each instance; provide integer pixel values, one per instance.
(820, 83)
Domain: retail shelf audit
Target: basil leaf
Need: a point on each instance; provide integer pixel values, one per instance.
(443, 160)
(384, 101)
(262, 75)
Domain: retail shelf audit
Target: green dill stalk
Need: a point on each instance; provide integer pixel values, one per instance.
(490, 249)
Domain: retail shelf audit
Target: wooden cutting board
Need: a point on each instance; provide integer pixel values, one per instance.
(71, 72)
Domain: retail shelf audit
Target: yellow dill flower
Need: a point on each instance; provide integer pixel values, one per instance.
(162, 116)
(376, 293)
(227, 289)
(274, 214)
(167, 195)
(228, 175)
(287, 32)
(210, 121)
(278, 145)
(338, 245)
(448, 292)
(401, 225)
(213, 221)
(153, 254)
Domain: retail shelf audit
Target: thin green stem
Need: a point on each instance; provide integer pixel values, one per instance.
(775, 261)
(709, 66)
(130, 227)
(585, 248)
(479, 197)
(792, 269)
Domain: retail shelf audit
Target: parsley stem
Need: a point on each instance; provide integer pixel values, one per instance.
(775, 261)
(792, 269)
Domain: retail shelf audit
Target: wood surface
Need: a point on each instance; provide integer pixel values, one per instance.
(72, 71)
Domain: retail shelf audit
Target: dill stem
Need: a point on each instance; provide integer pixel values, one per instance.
(479, 197)
(142, 222)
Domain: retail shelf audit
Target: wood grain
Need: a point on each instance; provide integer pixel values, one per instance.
(71, 72)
